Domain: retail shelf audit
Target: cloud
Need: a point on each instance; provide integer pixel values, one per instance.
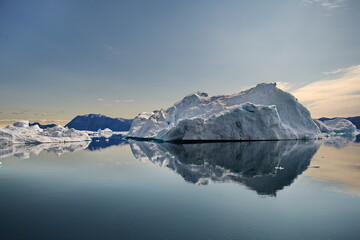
(17, 113)
(285, 86)
(21, 112)
(338, 96)
(107, 105)
(327, 4)
(341, 70)
(126, 100)
(112, 50)
(46, 114)
(100, 99)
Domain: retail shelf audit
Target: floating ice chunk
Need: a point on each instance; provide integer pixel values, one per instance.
(339, 126)
(314, 166)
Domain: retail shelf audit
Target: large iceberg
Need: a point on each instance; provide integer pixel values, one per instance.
(260, 113)
(21, 132)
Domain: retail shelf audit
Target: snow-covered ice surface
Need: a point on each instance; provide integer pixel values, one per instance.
(21, 132)
(106, 133)
(24, 150)
(260, 113)
(338, 127)
(266, 166)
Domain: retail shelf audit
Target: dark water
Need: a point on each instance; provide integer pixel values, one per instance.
(110, 189)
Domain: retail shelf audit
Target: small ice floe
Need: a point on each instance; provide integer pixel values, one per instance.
(314, 166)
(97, 140)
(279, 168)
(106, 140)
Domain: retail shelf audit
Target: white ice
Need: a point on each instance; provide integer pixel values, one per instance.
(21, 132)
(260, 113)
(337, 126)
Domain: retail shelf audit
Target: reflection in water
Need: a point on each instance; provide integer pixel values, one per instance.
(99, 143)
(340, 141)
(338, 165)
(24, 150)
(265, 167)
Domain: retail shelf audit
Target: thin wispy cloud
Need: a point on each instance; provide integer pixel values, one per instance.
(125, 101)
(285, 86)
(327, 4)
(341, 70)
(47, 114)
(100, 99)
(17, 113)
(113, 50)
(338, 96)
(20, 112)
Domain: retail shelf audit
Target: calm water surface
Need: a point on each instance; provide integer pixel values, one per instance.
(116, 190)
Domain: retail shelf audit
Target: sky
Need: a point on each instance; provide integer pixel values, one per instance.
(59, 59)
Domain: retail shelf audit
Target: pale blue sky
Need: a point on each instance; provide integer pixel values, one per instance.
(63, 58)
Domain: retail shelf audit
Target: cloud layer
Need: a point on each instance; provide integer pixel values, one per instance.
(336, 97)
(327, 4)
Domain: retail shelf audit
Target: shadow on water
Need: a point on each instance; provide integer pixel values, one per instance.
(265, 167)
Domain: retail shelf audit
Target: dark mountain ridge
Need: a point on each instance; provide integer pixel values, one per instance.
(43, 126)
(94, 122)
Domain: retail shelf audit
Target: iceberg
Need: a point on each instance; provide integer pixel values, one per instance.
(337, 126)
(260, 113)
(21, 132)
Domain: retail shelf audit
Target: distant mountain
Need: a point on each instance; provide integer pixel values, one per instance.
(43, 126)
(354, 120)
(94, 122)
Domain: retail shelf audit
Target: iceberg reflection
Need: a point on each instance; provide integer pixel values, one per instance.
(265, 167)
(99, 143)
(24, 150)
